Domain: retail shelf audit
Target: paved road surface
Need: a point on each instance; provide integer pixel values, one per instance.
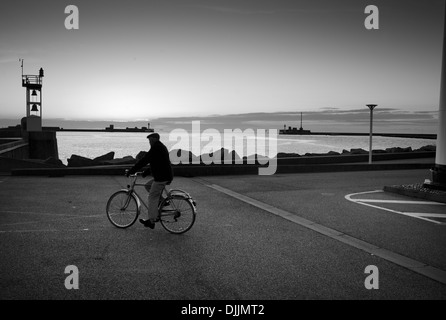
(250, 241)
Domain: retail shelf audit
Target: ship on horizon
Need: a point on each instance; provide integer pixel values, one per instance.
(294, 130)
(111, 128)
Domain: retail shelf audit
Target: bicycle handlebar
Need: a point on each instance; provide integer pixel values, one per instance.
(131, 175)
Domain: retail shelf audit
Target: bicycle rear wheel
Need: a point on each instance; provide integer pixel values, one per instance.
(178, 216)
(122, 209)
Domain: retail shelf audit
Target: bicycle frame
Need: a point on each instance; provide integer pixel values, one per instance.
(170, 194)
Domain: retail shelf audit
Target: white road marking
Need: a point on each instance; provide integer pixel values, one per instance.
(419, 215)
(399, 201)
(406, 262)
(438, 215)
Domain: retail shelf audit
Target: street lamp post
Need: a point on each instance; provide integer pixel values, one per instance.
(371, 107)
(439, 171)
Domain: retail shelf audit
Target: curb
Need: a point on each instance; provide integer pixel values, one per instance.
(215, 170)
(418, 191)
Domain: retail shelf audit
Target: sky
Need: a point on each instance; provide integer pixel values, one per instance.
(146, 60)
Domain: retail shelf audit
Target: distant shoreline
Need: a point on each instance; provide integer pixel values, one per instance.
(392, 135)
(97, 130)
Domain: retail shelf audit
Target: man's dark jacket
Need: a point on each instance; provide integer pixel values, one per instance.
(159, 160)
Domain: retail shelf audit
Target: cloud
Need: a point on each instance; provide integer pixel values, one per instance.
(350, 116)
(237, 10)
(8, 60)
(273, 8)
(13, 56)
(388, 120)
(254, 11)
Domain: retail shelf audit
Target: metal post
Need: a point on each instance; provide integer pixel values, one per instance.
(41, 97)
(40, 92)
(371, 107)
(28, 102)
(371, 135)
(439, 172)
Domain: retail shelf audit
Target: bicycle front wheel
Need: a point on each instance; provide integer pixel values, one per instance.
(122, 209)
(177, 215)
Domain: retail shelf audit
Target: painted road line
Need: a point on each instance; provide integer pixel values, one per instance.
(423, 216)
(389, 201)
(408, 263)
(433, 215)
(399, 202)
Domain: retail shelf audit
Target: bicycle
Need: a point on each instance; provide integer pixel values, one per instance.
(176, 212)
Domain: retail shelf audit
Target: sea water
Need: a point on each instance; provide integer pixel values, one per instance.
(94, 144)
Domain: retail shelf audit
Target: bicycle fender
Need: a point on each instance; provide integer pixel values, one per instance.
(179, 196)
(186, 197)
(179, 192)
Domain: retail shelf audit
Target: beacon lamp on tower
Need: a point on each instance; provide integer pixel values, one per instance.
(33, 85)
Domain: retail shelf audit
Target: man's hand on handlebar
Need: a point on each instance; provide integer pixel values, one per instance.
(128, 174)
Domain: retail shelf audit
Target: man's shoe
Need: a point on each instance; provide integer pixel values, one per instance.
(147, 223)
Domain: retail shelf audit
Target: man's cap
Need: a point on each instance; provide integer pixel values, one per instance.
(154, 135)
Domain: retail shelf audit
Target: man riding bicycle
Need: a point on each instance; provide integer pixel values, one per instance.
(162, 173)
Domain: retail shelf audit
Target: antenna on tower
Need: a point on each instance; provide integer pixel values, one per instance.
(301, 121)
(21, 60)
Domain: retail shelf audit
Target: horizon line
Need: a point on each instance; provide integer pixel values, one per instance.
(331, 110)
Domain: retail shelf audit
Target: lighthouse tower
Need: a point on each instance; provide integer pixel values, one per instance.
(33, 85)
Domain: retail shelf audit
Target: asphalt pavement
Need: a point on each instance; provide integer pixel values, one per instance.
(281, 237)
